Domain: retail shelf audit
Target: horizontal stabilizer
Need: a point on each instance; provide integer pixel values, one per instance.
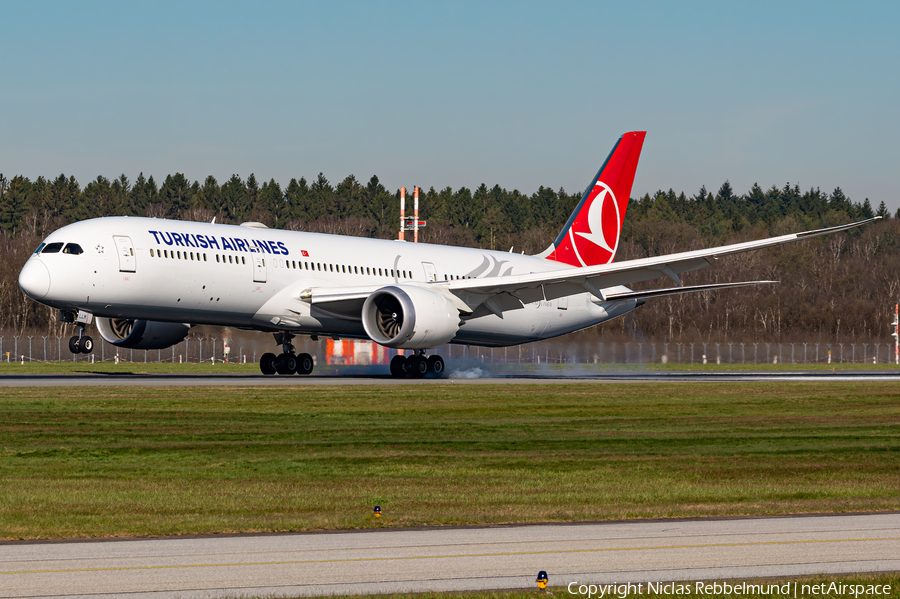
(612, 297)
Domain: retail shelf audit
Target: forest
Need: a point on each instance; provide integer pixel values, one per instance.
(839, 288)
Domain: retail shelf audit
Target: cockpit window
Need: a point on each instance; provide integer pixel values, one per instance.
(39, 248)
(72, 248)
(52, 248)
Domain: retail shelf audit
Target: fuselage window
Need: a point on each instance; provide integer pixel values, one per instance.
(319, 265)
(217, 257)
(343, 268)
(331, 267)
(52, 248)
(179, 254)
(294, 264)
(243, 260)
(151, 253)
(192, 255)
(355, 270)
(379, 272)
(392, 272)
(230, 261)
(204, 257)
(306, 265)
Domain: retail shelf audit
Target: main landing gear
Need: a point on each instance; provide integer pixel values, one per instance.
(286, 362)
(417, 365)
(81, 343)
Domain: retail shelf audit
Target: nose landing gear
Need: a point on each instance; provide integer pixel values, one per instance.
(417, 365)
(286, 362)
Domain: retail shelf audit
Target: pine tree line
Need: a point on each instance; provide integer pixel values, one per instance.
(836, 286)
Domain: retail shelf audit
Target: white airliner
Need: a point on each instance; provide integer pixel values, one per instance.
(147, 281)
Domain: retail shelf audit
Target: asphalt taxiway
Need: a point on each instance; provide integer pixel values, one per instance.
(440, 559)
(469, 376)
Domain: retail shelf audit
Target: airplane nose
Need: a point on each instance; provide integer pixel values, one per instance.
(35, 279)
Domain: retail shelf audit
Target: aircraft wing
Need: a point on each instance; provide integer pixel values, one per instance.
(495, 295)
(498, 294)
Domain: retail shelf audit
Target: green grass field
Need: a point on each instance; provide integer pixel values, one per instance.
(80, 462)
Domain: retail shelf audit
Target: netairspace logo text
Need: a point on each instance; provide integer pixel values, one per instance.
(700, 588)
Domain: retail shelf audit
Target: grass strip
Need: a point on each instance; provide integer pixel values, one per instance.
(110, 461)
(806, 589)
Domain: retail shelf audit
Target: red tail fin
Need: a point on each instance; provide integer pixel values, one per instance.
(591, 236)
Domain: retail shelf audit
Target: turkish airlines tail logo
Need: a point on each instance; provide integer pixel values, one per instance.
(591, 235)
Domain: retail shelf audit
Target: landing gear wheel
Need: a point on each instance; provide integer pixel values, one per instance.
(73, 345)
(436, 366)
(286, 364)
(304, 364)
(399, 366)
(267, 363)
(418, 366)
(86, 345)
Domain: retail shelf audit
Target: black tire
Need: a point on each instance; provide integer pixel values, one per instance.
(399, 366)
(267, 363)
(284, 364)
(436, 366)
(87, 345)
(73, 345)
(418, 366)
(304, 364)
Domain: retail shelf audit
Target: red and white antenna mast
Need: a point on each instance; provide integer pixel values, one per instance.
(411, 223)
(416, 215)
(402, 211)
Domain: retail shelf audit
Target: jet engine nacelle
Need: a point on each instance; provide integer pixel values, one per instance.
(141, 334)
(409, 317)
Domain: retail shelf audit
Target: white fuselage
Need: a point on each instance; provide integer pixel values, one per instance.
(246, 277)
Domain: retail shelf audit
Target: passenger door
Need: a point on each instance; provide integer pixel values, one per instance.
(125, 251)
(259, 269)
(430, 272)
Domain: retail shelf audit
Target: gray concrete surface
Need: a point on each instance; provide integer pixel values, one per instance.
(451, 559)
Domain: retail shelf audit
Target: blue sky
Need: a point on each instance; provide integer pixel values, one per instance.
(455, 94)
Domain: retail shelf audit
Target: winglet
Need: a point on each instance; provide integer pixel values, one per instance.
(591, 235)
(829, 230)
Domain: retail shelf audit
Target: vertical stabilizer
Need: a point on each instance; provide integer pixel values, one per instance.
(591, 235)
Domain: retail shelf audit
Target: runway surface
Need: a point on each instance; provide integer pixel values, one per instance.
(452, 559)
(469, 376)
